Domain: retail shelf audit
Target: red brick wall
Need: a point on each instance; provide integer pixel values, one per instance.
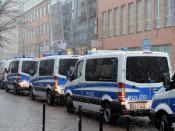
(165, 35)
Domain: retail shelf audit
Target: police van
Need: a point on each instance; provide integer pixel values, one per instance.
(120, 83)
(163, 106)
(4, 65)
(51, 76)
(19, 73)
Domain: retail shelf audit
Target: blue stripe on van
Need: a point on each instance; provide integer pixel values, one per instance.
(169, 101)
(145, 93)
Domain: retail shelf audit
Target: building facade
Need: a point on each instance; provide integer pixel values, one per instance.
(125, 24)
(84, 24)
(34, 31)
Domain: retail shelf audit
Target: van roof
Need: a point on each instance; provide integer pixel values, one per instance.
(34, 59)
(119, 52)
(59, 56)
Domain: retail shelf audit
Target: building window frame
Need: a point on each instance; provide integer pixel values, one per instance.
(116, 21)
(104, 23)
(110, 22)
(148, 14)
(131, 17)
(157, 13)
(123, 19)
(139, 6)
(168, 12)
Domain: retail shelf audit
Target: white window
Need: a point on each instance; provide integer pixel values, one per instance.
(110, 22)
(104, 23)
(123, 19)
(168, 13)
(116, 21)
(148, 14)
(131, 17)
(37, 14)
(157, 13)
(139, 15)
(44, 11)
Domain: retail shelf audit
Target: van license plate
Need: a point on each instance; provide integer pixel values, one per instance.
(138, 106)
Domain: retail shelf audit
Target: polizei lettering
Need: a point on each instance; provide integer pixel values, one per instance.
(140, 97)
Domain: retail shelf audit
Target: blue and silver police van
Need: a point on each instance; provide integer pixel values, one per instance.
(163, 106)
(120, 82)
(52, 74)
(19, 73)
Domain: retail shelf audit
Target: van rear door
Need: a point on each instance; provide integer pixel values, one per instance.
(144, 76)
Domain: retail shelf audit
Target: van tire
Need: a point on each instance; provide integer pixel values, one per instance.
(50, 98)
(6, 88)
(32, 97)
(108, 114)
(163, 125)
(16, 91)
(69, 104)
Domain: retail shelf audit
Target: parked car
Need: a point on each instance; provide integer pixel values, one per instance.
(4, 65)
(121, 83)
(163, 106)
(51, 76)
(19, 74)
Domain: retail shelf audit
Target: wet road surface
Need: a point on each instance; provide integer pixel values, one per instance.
(18, 113)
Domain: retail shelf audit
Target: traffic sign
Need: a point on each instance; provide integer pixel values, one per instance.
(146, 44)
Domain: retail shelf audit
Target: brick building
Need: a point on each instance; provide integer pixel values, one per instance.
(125, 23)
(34, 34)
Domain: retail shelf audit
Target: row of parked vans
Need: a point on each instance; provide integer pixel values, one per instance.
(121, 83)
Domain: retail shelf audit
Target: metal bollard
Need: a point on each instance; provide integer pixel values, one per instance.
(101, 120)
(127, 123)
(80, 119)
(44, 113)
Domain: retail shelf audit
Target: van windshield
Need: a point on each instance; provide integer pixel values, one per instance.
(14, 67)
(29, 67)
(66, 67)
(146, 69)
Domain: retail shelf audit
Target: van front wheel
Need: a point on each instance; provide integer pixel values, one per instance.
(50, 98)
(69, 104)
(164, 123)
(108, 114)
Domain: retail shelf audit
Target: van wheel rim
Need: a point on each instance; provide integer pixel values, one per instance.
(162, 126)
(107, 115)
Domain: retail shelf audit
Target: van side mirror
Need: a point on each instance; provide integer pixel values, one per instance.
(167, 82)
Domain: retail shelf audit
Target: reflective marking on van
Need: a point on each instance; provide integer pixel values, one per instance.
(106, 89)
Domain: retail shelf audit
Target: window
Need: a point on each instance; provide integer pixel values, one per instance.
(14, 66)
(168, 13)
(139, 15)
(116, 21)
(78, 70)
(157, 13)
(148, 14)
(66, 67)
(149, 69)
(123, 19)
(101, 69)
(46, 68)
(29, 67)
(104, 23)
(131, 17)
(110, 22)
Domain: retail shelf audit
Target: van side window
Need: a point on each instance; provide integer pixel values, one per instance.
(78, 70)
(46, 68)
(102, 69)
(66, 67)
(14, 67)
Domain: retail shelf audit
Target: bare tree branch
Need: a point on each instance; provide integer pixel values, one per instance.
(9, 19)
